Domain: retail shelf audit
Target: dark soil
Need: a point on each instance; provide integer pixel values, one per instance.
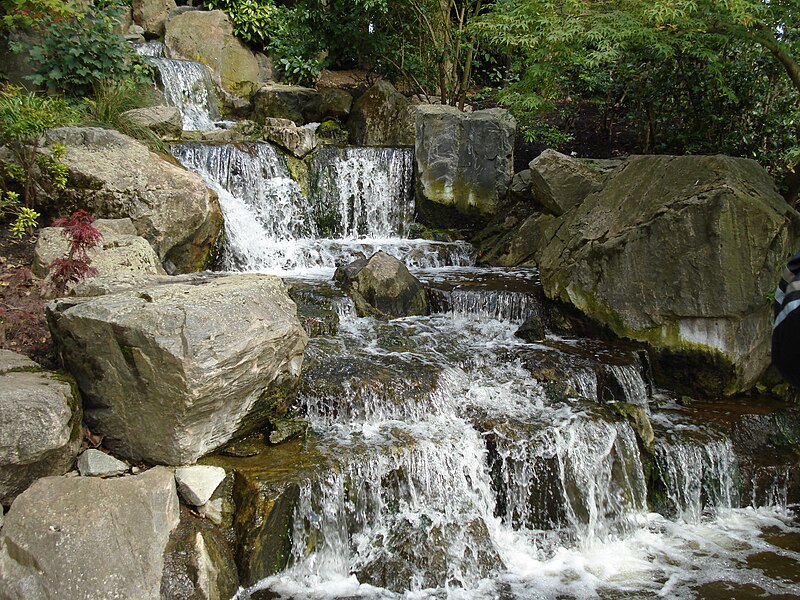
(591, 138)
(23, 327)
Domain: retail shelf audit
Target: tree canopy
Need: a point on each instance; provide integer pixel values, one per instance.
(690, 75)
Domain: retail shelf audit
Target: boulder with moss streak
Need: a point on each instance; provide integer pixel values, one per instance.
(682, 253)
(207, 37)
(464, 164)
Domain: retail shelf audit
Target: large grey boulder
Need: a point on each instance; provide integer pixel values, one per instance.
(383, 287)
(151, 15)
(464, 164)
(381, 116)
(170, 372)
(40, 424)
(85, 537)
(114, 176)
(291, 102)
(680, 252)
(207, 37)
(115, 253)
(559, 182)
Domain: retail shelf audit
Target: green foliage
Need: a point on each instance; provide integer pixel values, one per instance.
(283, 32)
(73, 51)
(23, 219)
(111, 98)
(699, 76)
(27, 14)
(24, 117)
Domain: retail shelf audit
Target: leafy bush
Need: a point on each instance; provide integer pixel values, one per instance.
(24, 117)
(284, 33)
(111, 98)
(71, 52)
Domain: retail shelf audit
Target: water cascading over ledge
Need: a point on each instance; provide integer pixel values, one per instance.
(359, 202)
(187, 85)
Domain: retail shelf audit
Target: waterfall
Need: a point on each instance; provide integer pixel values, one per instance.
(189, 88)
(584, 382)
(363, 192)
(633, 386)
(151, 49)
(699, 474)
(500, 304)
(582, 479)
(187, 85)
(272, 227)
(409, 520)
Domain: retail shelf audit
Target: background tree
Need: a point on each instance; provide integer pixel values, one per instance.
(686, 75)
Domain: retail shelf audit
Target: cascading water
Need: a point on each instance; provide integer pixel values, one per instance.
(272, 227)
(699, 474)
(458, 473)
(187, 86)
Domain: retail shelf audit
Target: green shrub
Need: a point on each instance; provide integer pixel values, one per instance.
(284, 33)
(72, 52)
(24, 118)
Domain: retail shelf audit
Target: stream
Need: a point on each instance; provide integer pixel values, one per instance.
(463, 462)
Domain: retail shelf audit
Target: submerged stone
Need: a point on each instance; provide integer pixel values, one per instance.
(198, 562)
(382, 286)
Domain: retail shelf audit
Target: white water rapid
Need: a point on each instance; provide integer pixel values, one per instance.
(466, 463)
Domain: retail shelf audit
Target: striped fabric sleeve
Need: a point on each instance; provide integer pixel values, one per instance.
(787, 294)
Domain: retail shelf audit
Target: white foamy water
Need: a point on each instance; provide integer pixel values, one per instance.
(458, 474)
(272, 227)
(187, 86)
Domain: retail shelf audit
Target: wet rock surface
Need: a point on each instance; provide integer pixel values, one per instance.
(652, 222)
(383, 286)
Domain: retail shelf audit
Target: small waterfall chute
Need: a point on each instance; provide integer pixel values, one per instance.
(187, 85)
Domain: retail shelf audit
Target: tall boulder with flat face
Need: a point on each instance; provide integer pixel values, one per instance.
(86, 537)
(381, 117)
(464, 164)
(171, 371)
(207, 37)
(113, 176)
(681, 252)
